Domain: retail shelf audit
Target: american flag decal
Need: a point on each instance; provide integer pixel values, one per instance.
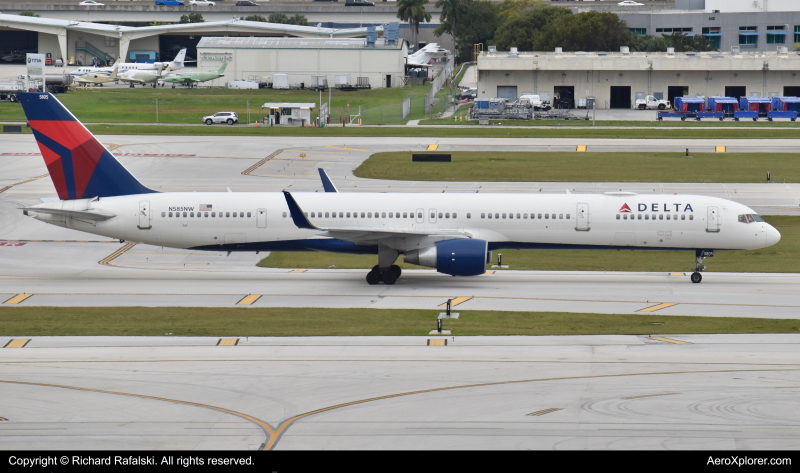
(205, 207)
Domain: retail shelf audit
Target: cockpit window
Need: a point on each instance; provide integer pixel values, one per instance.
(750, 218)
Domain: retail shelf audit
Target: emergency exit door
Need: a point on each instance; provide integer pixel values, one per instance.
(582, 218)
(261, 218)
(144, 214)
(712, 220)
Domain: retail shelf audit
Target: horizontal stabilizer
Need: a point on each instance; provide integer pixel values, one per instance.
(84, 214)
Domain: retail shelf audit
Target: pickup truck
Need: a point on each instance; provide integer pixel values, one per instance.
(170, 2)
(534, 102)
(651, 103)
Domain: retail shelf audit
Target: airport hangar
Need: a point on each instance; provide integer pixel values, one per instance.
(63, 39)
(616, 80)
(381, 61)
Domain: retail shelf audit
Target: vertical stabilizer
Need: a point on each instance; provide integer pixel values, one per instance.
(221, 70)
(79, 165)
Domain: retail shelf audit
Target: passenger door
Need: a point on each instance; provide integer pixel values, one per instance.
(144, 214)
(712, 220)
(261, 218)
(582, 218)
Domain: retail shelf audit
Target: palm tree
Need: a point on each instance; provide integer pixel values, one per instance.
(413, 12)
(449, 12)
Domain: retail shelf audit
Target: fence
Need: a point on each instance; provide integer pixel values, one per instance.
(438, 83)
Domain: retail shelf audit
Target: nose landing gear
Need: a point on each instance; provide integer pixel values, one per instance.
(699, 257)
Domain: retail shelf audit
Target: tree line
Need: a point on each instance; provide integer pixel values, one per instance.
(532, 25)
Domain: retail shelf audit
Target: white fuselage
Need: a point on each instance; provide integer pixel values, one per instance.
(263, 220)
(127, 66)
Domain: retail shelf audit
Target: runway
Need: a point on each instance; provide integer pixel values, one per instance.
(705, 392)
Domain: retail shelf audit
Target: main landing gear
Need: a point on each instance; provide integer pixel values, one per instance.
(388, 276)
(696, 276)
(385, 271)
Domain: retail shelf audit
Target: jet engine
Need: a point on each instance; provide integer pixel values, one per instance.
(463, 257)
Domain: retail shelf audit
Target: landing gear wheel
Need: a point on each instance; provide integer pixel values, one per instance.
(396, 269)
(696, 277)
(389, 277)
(373, 277)
(173, 86)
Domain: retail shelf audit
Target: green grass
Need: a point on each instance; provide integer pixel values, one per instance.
(781, 258)
(252, 322)
(181, 105)
(645, 122)
(442, 132)
(559, 166)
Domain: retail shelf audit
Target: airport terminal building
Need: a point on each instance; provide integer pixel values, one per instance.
(617, 79)
(302, 60)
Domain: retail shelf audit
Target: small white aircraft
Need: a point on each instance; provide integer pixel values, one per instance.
(144, 77)
(423, 57)
(176, 64)
(454, 233)
(97, 79)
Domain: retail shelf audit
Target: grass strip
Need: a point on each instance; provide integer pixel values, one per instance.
(781, 258)
(296, 322)
(443, 132)
(560, 166)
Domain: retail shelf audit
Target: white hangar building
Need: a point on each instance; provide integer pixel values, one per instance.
(302, 58)
(617, 79)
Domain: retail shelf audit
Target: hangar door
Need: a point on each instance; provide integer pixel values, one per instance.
(620, 96)
(735, 91)
(676, 91)
(564, 96)
(508, 92)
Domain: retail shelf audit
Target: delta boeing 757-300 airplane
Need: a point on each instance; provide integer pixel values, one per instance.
(454, 233)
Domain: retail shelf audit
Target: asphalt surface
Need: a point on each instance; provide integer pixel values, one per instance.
(586, 392)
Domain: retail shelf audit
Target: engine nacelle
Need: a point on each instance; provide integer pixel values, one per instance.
(463, 257)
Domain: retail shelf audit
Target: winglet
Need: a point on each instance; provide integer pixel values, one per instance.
(297, 214)
(326, 181)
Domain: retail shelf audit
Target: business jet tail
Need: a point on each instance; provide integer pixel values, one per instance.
(79, 165)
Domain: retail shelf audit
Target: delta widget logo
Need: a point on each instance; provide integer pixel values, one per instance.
(625, 208)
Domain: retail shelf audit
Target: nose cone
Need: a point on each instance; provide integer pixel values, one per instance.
(773, 236)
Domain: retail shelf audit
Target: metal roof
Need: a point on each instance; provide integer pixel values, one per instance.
(260, 42)
(289, 105)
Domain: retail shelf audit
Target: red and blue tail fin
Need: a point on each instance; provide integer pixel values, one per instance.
(79, 165)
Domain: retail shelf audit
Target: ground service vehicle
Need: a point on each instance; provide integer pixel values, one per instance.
(358, 3)
(170, 2)
(652, 103)
(222, 117)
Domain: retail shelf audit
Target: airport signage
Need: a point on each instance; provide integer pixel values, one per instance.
(35, 64)
(216, 56)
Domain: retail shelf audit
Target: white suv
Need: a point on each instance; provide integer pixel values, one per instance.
(202, 3)
(222, 117)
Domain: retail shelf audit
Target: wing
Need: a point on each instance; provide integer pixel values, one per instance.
(399, 239)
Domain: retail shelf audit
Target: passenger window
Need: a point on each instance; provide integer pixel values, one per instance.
(284, 214)
(369, 215)
(405, 214)
(667, 216)
(617, 216)
(568, 216)
(313, 215)
(654, 216)
(348, 214)
(661, 217)
(454, 215)
(447, 215)
(554, 216)
(170, 214)
(383, 215)
(683, 217)
(228, 214)
(341, 214)
(234, 215)
(647, 217)
(525, 216)
(433, 215)
(548, 216)
(561, 216)
(504, 215)
(490, 215)
(691, 217)
(625, 217)
(639, 217)
(248, 214)
(327, 214)
(163, 214)
(540, 216)
(184, 215)
(214, 214)
(333, 215)
(517, 215)
(191, 214)
(469, 215)
(482, 215)
(496, 215)
(440, 215)
(390, 214)
(362, 214)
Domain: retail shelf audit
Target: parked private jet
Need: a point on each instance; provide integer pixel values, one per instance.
(454, 233)
(174, 65)
(424, 55)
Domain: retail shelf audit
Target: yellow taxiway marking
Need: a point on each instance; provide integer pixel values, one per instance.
(3, 418)
(720, 149)
(545, 411)
(351, 149)
(489, 272)
(255, 166)
(433, 147)
(656, 307)
(107, 260)
(437, 342)
(17, 299)
(17, 343)
(228, 342)
(669, 340)
(581, 149)
(249, 299)
(298, 271)
(156, 262)
(457, 300)
(165, 253)
(23, 182)
(677, 274)
(649, 395)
